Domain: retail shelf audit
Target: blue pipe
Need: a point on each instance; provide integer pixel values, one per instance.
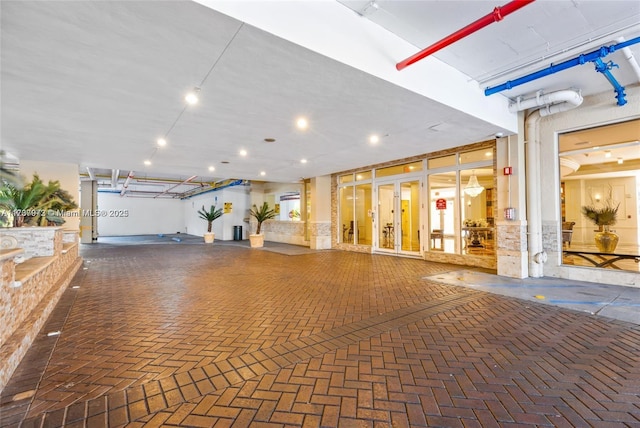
(579, 60)
(604, 68)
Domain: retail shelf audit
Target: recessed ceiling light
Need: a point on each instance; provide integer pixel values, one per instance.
(269, 140)
(607, 154)
(303, 161)
(162, 142)
(487, 154)
(302, 123)
(620, 161)
(243, 152)
(192, 97)
(211, 168)
(147, 162)
(374, 139)
(262, 173)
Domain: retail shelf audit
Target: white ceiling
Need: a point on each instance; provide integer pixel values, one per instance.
(95, 83)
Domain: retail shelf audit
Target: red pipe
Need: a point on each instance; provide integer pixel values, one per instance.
(495, 16)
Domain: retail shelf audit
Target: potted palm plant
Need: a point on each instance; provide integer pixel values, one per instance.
(603, 216)
(261, 215)
(210, 216)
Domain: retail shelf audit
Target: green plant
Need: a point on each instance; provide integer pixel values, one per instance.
(36, 203)
(262, 214)
(604, 215)
(23, 202)
(210, 215)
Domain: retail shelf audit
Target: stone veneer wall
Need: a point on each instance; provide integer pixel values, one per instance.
(36, 241)
(288, 232)
(24, 309)
(7, 273)
(512, 248)
(320, 235)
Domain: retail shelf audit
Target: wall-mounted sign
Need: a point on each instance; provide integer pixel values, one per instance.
(441, 204)
(228, 207)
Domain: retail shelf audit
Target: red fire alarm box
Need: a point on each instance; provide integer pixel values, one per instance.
(508, 170)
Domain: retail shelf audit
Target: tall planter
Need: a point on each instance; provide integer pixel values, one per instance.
(257, 241)
(606, 241)
(261, 215)
(210, 216)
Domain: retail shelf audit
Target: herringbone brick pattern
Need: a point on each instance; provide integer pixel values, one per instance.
(227, 336)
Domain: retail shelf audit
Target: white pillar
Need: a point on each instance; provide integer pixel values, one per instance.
(320, 221)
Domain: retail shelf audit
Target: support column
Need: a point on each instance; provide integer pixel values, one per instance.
(88, 205)
(512, 254)
(320, 219)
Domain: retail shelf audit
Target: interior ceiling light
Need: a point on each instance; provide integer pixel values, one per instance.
(488, 154)
(473, 188)
(211, 168)
(607, 154)
(374, 139)
(262, 173)
(302, 123)
(243, 152)
(303, 161)
(620, 161)
(192, 97)
(147, 162)
(162, 142)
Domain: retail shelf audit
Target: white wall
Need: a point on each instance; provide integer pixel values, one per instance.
(138, 216)
(237, 196)
(66, 173)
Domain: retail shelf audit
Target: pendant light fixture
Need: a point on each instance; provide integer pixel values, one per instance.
(473, 188)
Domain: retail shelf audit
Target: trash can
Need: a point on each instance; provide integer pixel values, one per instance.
(237, 233)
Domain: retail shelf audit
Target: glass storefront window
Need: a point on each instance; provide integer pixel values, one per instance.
(355, 214)
(435, 163)
(476, 156)
(363, 175)
(363, 229)
(348, 178)
(600, 168)
(442, 198)
(476, 212)
(399, 169)
(346, 215)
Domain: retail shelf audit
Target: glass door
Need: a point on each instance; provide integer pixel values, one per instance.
(398, 217)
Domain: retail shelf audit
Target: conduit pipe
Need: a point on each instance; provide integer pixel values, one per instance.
(126, 183)
(115, 174)
(497, 15)
(179, 184)
(537, 256)
(554, 68)
(565, 100)
(215, 189)
(554, 102)
(92, 176)
(631, 59)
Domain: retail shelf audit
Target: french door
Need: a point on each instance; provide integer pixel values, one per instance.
(398, 217)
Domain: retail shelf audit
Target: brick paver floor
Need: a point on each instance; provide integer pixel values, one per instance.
(204, 336)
